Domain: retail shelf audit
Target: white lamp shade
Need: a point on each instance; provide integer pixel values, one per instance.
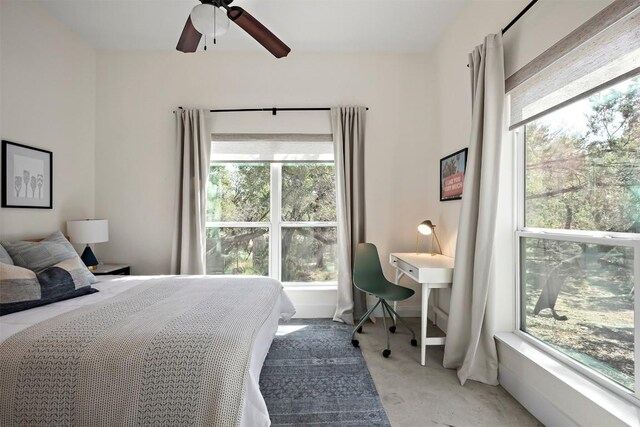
(88, 231)
(203, 17)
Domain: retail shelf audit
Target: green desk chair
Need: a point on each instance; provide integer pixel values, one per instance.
(369, 278)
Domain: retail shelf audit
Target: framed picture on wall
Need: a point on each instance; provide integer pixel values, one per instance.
(452, 169)
(27, 177)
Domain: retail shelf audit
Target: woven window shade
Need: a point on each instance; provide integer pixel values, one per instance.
(273, 147)
(606, 49)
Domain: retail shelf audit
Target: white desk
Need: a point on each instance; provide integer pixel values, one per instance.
(432, 272)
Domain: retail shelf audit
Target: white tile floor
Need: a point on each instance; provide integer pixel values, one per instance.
(415, 396)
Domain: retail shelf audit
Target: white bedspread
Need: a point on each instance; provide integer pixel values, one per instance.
(253, 411)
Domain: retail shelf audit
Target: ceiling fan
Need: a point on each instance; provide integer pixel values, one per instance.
(190, 37)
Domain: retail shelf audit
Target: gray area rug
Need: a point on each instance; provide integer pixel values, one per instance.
(314, 376)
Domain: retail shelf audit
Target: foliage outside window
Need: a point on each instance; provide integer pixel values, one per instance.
(578, 236)
(272, 219)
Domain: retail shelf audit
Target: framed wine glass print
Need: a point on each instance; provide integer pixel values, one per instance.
(27, 176)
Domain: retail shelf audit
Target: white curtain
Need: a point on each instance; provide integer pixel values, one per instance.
(348, 126)
(470, 346)
(194, 151)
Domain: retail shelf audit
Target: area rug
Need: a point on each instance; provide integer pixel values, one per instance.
(314, 376)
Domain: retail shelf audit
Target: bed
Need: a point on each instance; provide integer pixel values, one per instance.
(163, 350)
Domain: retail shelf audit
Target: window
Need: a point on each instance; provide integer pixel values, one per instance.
(578, 234)
(273, 219)
(308, 228)
(238, 218)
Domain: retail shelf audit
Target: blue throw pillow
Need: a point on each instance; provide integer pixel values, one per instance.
(4, 256)
(38, 256)
(21, 289)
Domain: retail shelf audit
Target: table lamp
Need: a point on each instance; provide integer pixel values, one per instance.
(88, 231)
(426, 227)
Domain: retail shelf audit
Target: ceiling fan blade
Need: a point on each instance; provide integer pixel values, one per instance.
(189, 39)
(258, 31)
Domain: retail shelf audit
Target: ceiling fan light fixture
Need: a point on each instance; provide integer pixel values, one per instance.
(209, 21)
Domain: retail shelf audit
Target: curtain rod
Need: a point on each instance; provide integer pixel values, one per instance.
(273, 110)
(518, 16)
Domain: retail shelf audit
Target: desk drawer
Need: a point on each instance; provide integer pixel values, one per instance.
(407, 269)
(424, 268)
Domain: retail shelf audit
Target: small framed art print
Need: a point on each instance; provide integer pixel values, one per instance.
(452, 169)
(27, 176)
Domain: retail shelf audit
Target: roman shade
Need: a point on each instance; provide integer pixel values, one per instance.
(271, 147)
(602, 51)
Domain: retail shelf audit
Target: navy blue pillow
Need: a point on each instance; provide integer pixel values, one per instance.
(57, 283)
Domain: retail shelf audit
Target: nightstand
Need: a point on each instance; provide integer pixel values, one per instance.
(116, 269)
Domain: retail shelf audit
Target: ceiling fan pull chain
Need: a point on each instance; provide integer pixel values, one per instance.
(205, 42)
(215, 18)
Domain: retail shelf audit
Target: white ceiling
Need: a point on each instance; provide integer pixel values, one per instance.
(305, 25)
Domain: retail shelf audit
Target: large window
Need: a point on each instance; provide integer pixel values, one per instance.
(273, 219)
(579, 204)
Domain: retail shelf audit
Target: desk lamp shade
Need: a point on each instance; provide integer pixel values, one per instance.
(88, 231)
(426, 228)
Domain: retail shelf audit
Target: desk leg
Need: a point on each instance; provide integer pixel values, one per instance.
(436, 304)
(423, 326)
(399, 275)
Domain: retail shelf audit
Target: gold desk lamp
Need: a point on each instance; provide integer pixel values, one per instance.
(426, 227)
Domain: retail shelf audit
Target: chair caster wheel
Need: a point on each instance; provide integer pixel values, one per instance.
(355, 343)
(386, 352)
(414, 342)
(359, 330)
(392, 329)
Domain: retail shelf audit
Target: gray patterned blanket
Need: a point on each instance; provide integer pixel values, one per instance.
(172, 351)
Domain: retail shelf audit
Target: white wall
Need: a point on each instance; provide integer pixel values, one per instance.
(48, 98)
(546, 23)
(137, 91)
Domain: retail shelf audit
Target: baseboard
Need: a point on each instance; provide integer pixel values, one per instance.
(409, 311)
(328, 310)
(313, 302)
(546, 412)
(556, 394)
(313, 311)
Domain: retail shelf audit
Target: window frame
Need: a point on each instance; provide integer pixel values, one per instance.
(276, 224)
(594, 237)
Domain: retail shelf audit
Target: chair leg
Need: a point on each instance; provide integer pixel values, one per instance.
(387, 351)
(363, 319)
(392, 328)
(413, 334)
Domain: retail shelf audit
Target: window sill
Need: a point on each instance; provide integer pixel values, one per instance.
(618, 407)
(310, 286)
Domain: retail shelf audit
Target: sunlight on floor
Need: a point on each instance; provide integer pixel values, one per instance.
(288, 329)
